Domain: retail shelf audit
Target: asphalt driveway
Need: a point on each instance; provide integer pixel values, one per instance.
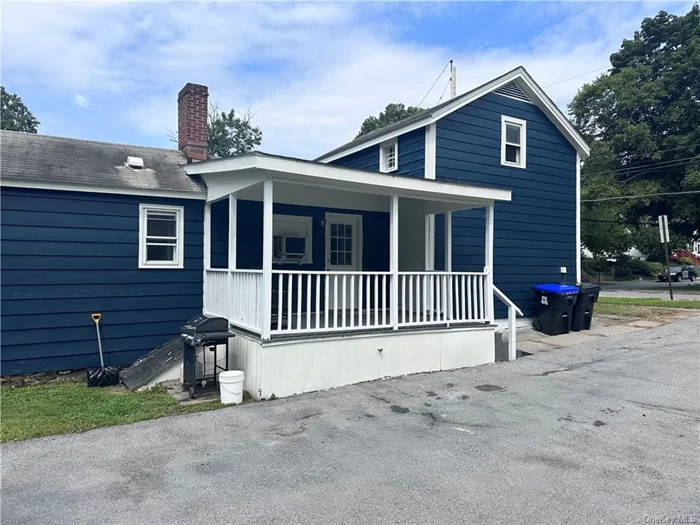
(604, 432)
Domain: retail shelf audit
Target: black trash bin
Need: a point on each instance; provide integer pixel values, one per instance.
(583, 311)
(556, 304)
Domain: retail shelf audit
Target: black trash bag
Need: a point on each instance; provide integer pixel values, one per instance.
(107, 376)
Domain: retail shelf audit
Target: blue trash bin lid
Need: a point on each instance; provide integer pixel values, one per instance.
(558, 289)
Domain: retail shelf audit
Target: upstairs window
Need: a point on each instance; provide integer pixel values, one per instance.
(389, 156)
(161, 234)
(513, 141)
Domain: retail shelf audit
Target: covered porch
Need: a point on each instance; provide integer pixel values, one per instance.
(354, 251)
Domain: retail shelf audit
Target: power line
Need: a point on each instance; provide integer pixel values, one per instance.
(642, 196)
(633, 169)
(431, 87)
(556, 21)
(449, 81)
(577, 76)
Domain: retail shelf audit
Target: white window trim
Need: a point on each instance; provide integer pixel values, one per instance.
(382, 161)
(308, 223)
(523, 141)
(180, 247)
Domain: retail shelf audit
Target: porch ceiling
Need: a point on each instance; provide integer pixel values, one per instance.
(243, 173)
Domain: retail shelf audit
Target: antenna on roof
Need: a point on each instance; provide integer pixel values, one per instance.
(453, 79)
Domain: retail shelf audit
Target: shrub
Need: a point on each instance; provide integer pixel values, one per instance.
(685, 260)
(642, 268)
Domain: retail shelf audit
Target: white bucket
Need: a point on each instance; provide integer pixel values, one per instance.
(231, 386)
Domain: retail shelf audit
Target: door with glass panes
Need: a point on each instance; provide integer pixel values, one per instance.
(343, 254)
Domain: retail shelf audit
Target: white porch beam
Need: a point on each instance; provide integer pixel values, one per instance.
(448, 241)
(394, 260)
(488, 260)
(266, 302)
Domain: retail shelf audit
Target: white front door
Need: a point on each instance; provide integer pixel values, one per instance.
(343, 242)
(343, 254)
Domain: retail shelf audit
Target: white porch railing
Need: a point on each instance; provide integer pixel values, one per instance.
(427, 298)
(235, 295)
(319, 301)
(513, 310)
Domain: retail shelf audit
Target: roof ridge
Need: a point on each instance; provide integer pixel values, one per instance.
(58, 137)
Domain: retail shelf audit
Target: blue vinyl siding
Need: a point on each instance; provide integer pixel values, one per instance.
(411, 156)
(68, 254)
(375, 225)
(536, 232)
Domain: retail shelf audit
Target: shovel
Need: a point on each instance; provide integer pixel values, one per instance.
(105, 375)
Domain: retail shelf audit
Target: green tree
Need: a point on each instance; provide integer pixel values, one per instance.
(14, 115)
(604, 229)
(231, 134)
(646, 113)
(393, 112)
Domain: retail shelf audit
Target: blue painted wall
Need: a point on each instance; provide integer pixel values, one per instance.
(375, 247)
(536, 232)
(68, 254)
(411, 156)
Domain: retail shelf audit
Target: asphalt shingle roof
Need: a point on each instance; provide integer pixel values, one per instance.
(30, 157)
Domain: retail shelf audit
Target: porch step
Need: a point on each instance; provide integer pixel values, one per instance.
(153, 364)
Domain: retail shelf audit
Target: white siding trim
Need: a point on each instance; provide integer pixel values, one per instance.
(81, 188)
(430, 150)
(505, 119)
(266, 299)
(578, 217)
(179, 211)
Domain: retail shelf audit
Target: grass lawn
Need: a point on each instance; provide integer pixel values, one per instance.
(650, 301)
(649, 309)
(70, 406)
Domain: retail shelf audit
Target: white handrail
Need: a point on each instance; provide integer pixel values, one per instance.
(512, 311)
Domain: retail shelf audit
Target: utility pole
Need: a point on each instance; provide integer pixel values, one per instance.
(453, 80)
(663, 233)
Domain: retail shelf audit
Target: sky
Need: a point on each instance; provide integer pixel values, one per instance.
(309, 73)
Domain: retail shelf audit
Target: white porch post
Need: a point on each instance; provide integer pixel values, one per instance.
(231, 294)
(448, 241)
(394, 260)
(429, 242)
(232, 230)
(488, 262)
(266, 302)
(207, 251)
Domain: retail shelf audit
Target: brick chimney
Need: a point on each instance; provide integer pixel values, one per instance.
(192, 107)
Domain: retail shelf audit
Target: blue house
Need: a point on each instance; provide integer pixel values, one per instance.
(382, 257)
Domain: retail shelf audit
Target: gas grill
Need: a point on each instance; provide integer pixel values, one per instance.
(203, 332)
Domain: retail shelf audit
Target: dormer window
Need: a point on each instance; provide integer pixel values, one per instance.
(389, 156)
(513, 142)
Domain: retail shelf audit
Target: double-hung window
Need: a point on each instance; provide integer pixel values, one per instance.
(389, 156)
(161, 236)
(513, 141)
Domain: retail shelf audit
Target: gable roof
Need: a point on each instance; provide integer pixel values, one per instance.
(518, 77)
(31, 160)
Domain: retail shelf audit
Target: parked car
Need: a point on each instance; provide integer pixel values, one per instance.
(678, 273)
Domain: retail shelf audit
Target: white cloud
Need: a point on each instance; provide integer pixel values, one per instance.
(82, 101)
(310, 72)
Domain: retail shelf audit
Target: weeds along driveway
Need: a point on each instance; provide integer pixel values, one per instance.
(600, 432)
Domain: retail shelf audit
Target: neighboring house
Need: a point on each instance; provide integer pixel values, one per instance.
(330, 272)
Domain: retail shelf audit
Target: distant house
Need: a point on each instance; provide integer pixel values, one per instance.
(389, 255)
